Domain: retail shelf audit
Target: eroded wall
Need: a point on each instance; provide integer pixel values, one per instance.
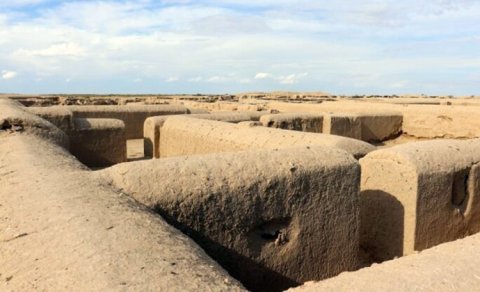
(413, 197)
(64, 229)
(268, 216)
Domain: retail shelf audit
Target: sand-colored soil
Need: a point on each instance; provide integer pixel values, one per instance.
(452, 266)
(135, 149)
(61, 230)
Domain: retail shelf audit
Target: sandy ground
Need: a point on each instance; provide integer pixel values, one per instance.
(452, 266)
(402, 139)
(135, 149)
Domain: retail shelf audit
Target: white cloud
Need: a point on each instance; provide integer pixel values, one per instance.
(228, 23)
(292, 78)
(229, 44)
(263, 75)
(6, 74)
(244, 80)
(217, 79)
(56, 50)
(172, 79)
(195, 79)
(282, 79)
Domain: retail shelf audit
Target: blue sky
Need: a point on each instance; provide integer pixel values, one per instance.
(229, 46)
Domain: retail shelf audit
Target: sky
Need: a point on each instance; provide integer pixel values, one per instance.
(230, 46)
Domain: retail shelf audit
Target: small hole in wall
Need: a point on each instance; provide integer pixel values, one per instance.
(6, 125)
(15, 126)
(275, 230)
(460, 188)
(270, 234)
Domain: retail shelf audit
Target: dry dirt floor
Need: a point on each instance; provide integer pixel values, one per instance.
(135, 149)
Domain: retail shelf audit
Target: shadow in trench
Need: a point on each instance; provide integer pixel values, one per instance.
(254, 276)
(381, 226)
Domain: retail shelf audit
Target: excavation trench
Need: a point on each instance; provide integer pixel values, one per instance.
(275, 226)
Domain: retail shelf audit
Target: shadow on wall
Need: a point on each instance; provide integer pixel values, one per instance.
(378, 141)
(254, 276)
(381, 225)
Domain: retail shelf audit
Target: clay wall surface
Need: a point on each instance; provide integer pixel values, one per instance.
(233, 116)
(225, 106)
(305, 122)
(380, 126)
(95, 142)
(60, 116)
(152, 125)
(133, 116)
(345, 125)
(98, 142)
(15, 118)
(417, 195)
(197, 111)
(64, 229)
(273, 218)
(453, 266)
(421, 121)
(374, 127)
(249, 124)
(185, 136)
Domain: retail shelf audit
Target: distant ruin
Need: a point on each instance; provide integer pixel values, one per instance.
(259, 192)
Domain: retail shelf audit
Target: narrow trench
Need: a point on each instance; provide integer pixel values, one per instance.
(249, 272)
(134, 153)
(253, 275)
(135, 150)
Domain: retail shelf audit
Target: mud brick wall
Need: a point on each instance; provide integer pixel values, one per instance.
(98, 142)
(133, 116)
(375, 127)
(63, 228)
(273, 218)
(305, 122)
(184, 136)
(152, 125)
(418, 195)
